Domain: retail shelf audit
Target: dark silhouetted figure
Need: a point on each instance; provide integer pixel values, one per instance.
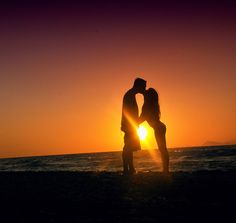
(151, 114)
(129, 124)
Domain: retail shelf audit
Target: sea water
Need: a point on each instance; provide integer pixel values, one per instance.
(181, 159)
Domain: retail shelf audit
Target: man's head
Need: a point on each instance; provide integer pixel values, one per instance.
(139, 85)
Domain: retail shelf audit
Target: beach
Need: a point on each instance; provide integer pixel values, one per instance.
(110, 196)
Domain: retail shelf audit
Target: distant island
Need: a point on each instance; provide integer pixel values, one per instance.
(215, 143)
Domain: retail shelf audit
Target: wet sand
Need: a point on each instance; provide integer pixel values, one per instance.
(203, 196)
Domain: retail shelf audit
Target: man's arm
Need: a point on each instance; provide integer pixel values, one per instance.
(142, 117)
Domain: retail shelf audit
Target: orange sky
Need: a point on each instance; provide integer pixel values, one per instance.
(62, 79)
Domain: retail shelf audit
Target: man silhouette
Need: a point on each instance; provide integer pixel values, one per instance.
(129, 124)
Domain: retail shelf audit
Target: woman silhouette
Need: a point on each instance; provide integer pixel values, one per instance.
(151, 114)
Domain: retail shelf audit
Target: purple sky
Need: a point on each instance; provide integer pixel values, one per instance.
(65, 64)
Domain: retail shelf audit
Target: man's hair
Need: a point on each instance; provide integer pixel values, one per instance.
(139, 82)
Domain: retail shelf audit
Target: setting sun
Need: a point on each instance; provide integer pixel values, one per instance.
(142, 132)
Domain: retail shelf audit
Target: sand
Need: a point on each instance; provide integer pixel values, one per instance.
(201, 196)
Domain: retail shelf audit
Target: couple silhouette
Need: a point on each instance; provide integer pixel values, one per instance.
(131, 120)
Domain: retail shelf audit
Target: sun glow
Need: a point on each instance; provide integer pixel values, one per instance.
(142, 132)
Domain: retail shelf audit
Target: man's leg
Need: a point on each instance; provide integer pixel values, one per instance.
(131, 163)
(125, 161)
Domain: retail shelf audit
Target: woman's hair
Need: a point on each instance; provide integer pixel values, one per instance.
(152, 100)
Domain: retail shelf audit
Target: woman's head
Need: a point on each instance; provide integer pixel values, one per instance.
(151, 95)
(152, 100)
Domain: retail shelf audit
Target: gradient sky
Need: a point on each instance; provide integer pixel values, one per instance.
(65, 66)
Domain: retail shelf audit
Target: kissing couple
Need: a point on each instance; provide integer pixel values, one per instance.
(131, 120)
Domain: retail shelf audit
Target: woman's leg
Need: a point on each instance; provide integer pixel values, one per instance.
(160, 132)
(165, 158)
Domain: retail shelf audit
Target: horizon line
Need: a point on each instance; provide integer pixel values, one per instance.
(84, 153)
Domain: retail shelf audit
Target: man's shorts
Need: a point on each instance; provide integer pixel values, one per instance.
(131, 141)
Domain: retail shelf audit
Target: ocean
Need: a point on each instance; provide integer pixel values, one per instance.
(181, 159)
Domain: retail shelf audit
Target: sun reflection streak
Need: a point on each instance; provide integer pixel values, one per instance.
(149, 144)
